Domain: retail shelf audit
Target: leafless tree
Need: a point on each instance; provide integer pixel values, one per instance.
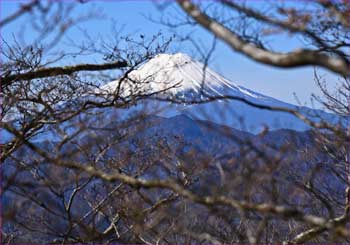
(104, 174)
(323, 26)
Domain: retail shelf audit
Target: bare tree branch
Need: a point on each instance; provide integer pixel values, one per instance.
(282, 211)
(296, 58)
(57, 71)
(22, 10)
(287, 25)
(332, 224)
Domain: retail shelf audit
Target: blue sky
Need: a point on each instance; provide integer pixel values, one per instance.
(278, 83)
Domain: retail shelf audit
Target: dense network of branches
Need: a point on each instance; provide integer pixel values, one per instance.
(80, 166)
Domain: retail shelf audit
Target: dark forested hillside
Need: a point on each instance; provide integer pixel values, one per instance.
(286, 166)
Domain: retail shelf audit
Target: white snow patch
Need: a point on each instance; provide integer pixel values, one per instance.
(179, 73)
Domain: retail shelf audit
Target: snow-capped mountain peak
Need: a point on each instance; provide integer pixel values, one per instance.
(179, 73)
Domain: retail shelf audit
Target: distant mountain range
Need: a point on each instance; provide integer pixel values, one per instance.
(180, 76)
(187, 78)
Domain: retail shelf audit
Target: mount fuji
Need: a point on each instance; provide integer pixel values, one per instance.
(178, 75)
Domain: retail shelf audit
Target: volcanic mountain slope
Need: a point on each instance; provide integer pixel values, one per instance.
(181, 76)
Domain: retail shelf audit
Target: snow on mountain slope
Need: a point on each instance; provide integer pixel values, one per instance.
(180, 75)
(183, 76)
